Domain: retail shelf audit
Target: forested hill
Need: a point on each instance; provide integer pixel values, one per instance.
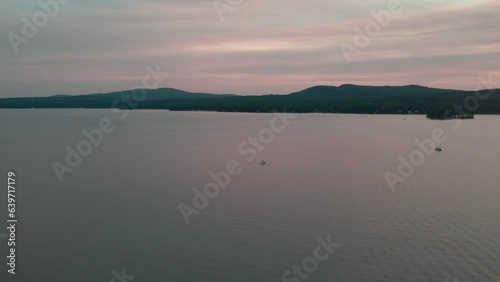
(324, 99)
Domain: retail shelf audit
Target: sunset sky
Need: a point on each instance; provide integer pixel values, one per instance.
(261, 47)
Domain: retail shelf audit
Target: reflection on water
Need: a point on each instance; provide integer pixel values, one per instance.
(324, 175)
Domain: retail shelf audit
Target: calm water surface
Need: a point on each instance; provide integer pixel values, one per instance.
(324, 176)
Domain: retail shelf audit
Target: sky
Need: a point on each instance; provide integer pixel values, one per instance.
(248, 47)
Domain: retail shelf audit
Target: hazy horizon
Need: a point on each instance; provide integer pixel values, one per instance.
(242, 94)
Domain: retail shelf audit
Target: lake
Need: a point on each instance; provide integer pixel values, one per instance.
(117, 211)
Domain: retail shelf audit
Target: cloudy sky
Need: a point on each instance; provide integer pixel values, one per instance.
(273, 46)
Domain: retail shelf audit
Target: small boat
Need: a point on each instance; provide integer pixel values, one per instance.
(262, 163)
(439, 149)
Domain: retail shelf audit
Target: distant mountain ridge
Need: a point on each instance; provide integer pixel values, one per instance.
(364, 91)
(154, 94)
(320, 90)
(346, 98)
